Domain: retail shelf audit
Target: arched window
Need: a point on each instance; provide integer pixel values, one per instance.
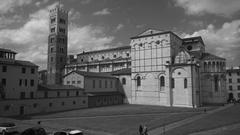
(162, 81)
(123, 81)
(185, 82)
(216, 83)
(138, 81)
(173, 83)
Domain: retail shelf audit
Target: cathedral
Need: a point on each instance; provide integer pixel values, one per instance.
(156, 68)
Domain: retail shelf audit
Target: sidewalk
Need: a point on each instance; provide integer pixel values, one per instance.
(161, 130)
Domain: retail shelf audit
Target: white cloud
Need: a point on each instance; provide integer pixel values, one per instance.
(10, 5)
(119, 27)
(104, 11)
(85, 1)
(8, 20)
(31, 40)
(219, 7)
(224, 42)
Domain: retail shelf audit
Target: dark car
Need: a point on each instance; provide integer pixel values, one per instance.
(34, 131)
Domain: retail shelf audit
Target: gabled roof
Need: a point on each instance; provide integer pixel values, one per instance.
(125, 71)
(57, 87)
(106, 50)
(209, 56)
(92, 74)
(18, 63)
(7, 50)
(192, 40)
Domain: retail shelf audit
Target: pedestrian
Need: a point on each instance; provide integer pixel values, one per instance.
(145, 130)
(140, 130)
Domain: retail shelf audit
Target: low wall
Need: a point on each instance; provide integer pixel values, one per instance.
(41, 105)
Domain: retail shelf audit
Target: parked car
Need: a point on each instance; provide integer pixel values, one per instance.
(7, 128)
(69, 132)
(34, 131)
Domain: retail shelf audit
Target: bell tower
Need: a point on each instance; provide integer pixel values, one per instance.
(57, 44)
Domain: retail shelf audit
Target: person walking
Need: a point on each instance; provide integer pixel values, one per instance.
(140, 130)
(145, 130)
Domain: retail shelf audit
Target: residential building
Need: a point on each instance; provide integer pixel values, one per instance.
(233, 82)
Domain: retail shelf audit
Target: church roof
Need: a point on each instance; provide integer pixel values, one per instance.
(125, 71)
(106, 50)
(55, 87)
(7, 50)
(152, 32)
(192, 40)
(209, 56)
(92, 74)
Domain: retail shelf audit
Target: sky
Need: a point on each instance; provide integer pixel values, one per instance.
(100, 24)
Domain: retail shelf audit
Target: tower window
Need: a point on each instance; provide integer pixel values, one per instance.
(61, 59)
(102, 57)
(51, 49)
(62, 21)
(53, 20)
(51, 59)
(62, 30)
(127, 54)
(115, 56)
(52, 30)
(52, 39)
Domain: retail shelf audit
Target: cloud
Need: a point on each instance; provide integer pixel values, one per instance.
(10, 5)
(85, 1)
(5, 21)
(104, 11)
(218, 7)
(31, 39)
(224, 42)
(119, 27)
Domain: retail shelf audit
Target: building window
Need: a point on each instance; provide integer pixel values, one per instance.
(58, 94)
(68, 82)
(238, 87)
(20, 82)
(185, 83)
(50, 104)
(52, 39)
(67, 93)
(46, 94)
(25, 82)
(138, 81)
(74, 102)
(230, 80)
(102, 57)
(32, 94)
(52, 30)
(162, 81)
(93, 83)
(53, 20)
(62, 21)
(173, 83)
(61, 59)
(238, 80)
(216, 83)
(238, 95)
(73, 82)
(105, 83)
(63, 103)
(51, 59)
(229, 73)
(114, 56)
(4, 82)
(79, 82)
(77, 93)
(23, 70)
(62, 30)
(111, 84)
(35, 105)
(123, 81)
(238, 73)
(127, 54)
(22, 95)
(32, 83)
(4, 68)
(6, 107)
(100, 83)
(83, 101)
(92, 59)
(230, 87)
(32, 70)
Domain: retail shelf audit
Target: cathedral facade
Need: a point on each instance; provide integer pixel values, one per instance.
(164, 70)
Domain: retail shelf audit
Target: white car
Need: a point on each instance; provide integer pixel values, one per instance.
(69, 132)
(7, 128)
